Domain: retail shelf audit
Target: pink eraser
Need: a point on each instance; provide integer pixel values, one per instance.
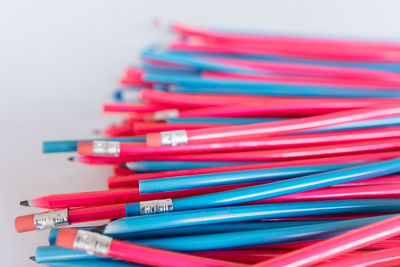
(24, 223)
(85, 148)
(153, 140)
(148, 117)
(66, 237)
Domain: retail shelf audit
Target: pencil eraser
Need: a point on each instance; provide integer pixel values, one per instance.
(66, 237)
(85, 148)
(153, 140)
(148, 117)
(24, 223)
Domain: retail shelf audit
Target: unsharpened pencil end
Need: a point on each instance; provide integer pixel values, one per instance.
(85, 148)
(148, 117)
(24, 203)
(66, 237)
(153, 140)
(24, 223)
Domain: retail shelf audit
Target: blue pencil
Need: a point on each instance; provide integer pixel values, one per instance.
(161, 165)
(203, 229)
(134, 224)
(259, 237)
(232, 177)
(213, 86)
(72, 145)
(225, 240)
(280, 188)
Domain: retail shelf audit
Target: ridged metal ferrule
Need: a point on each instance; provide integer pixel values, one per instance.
(165, 114)
(92, 243)
(174, 138)
(106, 148)
(51, 219)
(156, 206)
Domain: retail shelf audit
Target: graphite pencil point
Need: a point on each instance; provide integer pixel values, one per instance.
(24, 203)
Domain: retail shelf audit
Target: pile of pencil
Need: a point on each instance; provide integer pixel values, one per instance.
(239, 149)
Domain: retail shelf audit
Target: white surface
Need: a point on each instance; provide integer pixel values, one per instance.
(60, 59)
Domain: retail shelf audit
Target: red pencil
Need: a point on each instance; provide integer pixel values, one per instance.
(382, 258)
(74, 215)
(107, 149)
(193, 100)
(106, 197)
(258, 130)
(299, 140)
(101, 245)
(338, 245)
(246, 44)
(140, 128)
(129, 107)
(322, 43)
(278, 109)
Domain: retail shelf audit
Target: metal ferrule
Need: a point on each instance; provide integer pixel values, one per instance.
(106, 148)
(92, 243)
(174, 138)
(163, 115)
(156, 206)
(51, 219)
(131, 96)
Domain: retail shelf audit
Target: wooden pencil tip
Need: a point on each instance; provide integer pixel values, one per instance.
(32, 258)
(71, 159)
(24, 203)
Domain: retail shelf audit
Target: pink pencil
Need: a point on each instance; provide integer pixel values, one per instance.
(265, 129)
(246, 156)
(299, 140)
(106, 246)
(338, 245)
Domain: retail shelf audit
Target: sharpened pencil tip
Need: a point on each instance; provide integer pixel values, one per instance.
(123, 166)
(99, 229)
(71, 159)
(24, 203)
(32, 258)
(96, 131)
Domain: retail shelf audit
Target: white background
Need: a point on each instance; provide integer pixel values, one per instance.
(60, 59)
